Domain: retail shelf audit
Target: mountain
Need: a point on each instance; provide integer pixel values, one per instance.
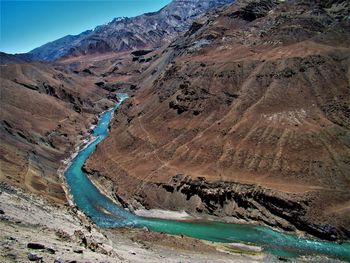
(245, 116)
(58, 48)
(6, 59)
(145, 31)
(46, 108)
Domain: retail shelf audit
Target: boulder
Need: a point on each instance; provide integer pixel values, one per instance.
(33, 245)
(34, 257)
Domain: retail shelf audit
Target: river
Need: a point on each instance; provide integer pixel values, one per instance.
(106, 214)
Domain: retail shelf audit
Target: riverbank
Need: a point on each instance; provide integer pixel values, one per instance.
(81, 143)
(107, 213)
(163, 214)
(64, 234)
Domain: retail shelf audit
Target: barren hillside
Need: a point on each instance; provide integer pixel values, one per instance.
(245, 117)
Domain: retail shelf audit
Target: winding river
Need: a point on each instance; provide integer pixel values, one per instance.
(105, 213)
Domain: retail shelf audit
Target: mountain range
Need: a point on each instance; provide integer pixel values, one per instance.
(149, 30)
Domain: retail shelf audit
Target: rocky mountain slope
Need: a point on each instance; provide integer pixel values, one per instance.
(145, 31)
(58, 48)
(32, 229)
(246, 117)
(6, 59)
(45, 112)
(47, 108)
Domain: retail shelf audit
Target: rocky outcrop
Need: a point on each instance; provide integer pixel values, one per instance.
(241, 202)
(252, 10)
(117, 86)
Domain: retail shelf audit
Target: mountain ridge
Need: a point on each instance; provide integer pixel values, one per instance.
(151, 29)
(57, 48)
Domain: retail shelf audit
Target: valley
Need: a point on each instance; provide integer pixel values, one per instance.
(230, 129)
(108, 214)
(235, 130)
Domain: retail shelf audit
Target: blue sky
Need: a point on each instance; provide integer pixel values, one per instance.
(27, 24)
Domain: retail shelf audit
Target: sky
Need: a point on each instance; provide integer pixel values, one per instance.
(28, 24)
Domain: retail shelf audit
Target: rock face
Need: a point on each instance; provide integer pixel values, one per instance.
(121, 34)
(251, 108)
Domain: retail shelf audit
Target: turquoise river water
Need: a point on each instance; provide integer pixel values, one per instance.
(106, 214)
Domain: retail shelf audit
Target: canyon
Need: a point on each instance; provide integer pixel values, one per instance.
(236, 113)
(246, 117)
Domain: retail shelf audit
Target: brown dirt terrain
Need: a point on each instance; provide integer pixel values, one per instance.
(45, 111)
(30, 225)
(246, 116)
